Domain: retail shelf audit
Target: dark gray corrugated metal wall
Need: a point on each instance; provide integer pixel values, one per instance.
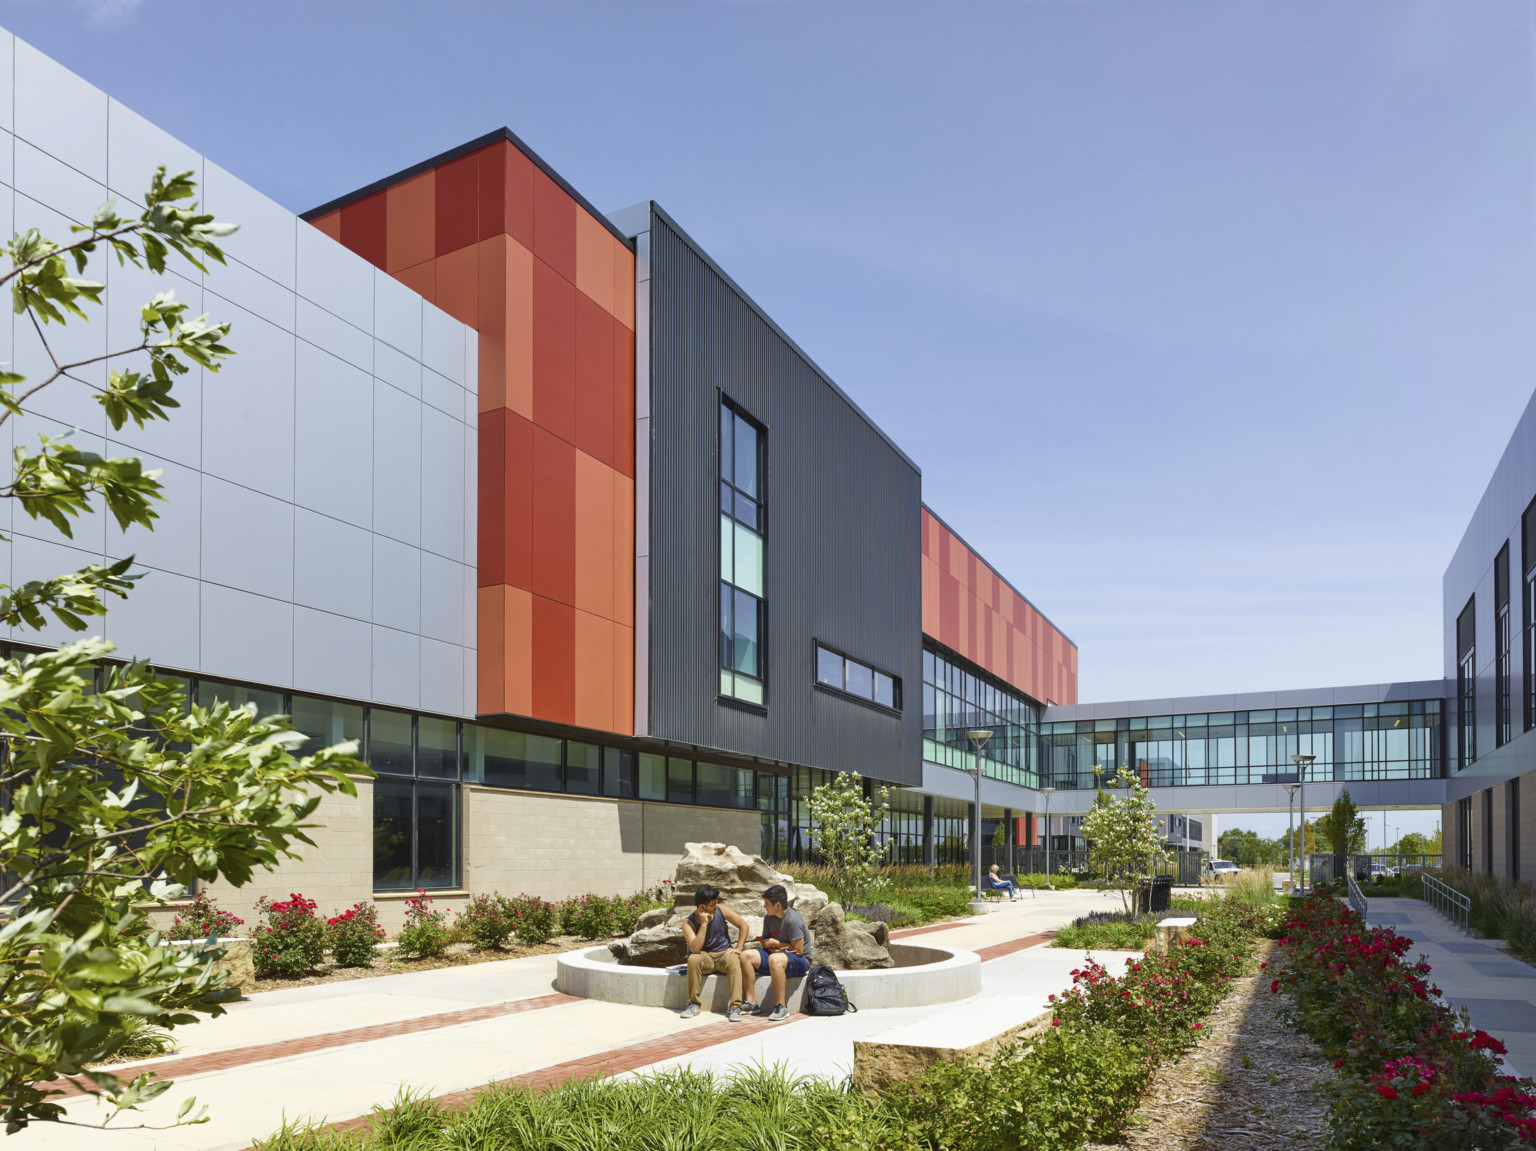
(844, 535)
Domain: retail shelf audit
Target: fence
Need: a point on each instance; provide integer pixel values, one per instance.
(1182, 867)
(1448, 901)
(1366, 867)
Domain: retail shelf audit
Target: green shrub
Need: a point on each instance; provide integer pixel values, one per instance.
(533, 920)
(593, 916)
(1113, 931)
(291, 941)
(353, 934)
(627, 911)
(926, 904)
(486, 921)
(425, 934)
(1062, 881)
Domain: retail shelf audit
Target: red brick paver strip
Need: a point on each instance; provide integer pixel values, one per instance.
(908, 932)
(605, 1063)
(999, 950)
(304, 1045)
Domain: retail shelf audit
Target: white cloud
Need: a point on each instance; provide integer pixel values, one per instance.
(110, 12)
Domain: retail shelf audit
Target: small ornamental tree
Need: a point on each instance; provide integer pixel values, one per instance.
(114, 791)
(846, 827)
(1342, 829)
(1123, 835)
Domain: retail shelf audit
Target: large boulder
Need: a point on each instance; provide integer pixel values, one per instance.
(850, 946)
(741, 878)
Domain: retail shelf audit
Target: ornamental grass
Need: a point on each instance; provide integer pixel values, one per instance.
(1412, 1072)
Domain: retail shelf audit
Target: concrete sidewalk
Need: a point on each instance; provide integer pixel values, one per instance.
(334, 1051)
(1498, 990)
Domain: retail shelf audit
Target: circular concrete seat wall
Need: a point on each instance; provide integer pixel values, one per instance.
(922, 975)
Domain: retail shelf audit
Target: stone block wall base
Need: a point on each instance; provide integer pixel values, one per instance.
(879, 1066)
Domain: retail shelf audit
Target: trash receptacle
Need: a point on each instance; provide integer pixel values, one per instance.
(1161, 893)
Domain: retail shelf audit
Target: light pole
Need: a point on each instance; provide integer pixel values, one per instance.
(1290, 831)
(1303, 762)
(978, 739)
(1048, 792)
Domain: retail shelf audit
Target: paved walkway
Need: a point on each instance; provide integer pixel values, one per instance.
(1498, 990)
(336, 1050)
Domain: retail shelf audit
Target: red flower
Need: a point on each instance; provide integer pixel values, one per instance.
(1386, 1092)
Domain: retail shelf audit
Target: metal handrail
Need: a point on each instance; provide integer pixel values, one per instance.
(1448, 901)
(1356, 896)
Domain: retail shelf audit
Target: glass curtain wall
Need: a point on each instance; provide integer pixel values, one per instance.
(1353, 742)
(958, 697)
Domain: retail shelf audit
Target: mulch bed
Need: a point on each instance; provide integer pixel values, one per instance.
(1250, 1084)
(457, 955)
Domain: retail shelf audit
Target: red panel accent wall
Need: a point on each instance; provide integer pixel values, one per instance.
(969, 608)
(491, 239)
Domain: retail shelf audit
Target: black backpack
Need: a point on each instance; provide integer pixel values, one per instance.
(824, 995)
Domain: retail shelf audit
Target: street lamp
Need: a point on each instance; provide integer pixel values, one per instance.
(978, 739)
(1303, 762)
(1048, 792)
(1290, 830)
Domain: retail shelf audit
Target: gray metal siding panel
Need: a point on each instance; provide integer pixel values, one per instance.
(844, 535)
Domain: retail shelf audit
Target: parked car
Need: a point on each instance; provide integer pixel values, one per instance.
(1221, 868)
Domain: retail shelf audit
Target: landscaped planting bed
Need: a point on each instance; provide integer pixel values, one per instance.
(1410, 1072)
(1080, 1081)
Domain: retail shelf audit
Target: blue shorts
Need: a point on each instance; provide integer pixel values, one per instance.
(798, 965)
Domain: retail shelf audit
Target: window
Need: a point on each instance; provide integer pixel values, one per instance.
(1501, 641)
(211, 691)
(326, 723)
(1528, 611)
(1512, 827)
(844, 674)
(512, 759)
(415, 802)
(679, 780)
(721, 786)
(1466, 684)
(583, 767)
(1464, 833)
(653, 777)
(741, 557)
(618, 773)
(1488, 831)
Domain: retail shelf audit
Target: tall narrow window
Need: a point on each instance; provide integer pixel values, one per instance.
(1464, 833)
(1488, 832)
(1501, 646)
(741, 557)
(1512, 827)
(1466, 684)
(1528, 612)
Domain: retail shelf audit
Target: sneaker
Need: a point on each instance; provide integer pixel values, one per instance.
(748, 1007)
(691, 1010)
(779, 1014)
(733, 1015)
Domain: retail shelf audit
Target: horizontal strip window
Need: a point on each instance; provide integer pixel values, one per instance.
(852, 677)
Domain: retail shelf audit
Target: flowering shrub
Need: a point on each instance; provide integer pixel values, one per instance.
(533, 920)
(353, 934)
(425, 933)
(1413, 1073)
(595, 916)
(1083, 1079)
(203, 919)
(487, 921)
(291, 941)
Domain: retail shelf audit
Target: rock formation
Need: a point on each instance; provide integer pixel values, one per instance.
(742, 879)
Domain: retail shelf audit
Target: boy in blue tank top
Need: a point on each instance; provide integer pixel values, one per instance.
(710, 949)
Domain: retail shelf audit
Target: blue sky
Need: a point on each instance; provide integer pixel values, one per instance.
(1206, 321)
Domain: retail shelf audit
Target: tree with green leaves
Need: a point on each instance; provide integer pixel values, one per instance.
(847, 827)
(1342, 828)
(1122, 833)
(116, 791)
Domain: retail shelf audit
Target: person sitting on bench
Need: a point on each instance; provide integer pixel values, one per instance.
(784, 953)
(710, 951)
(998, 883)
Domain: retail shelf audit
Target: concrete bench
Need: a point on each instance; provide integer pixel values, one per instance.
(979, 1029)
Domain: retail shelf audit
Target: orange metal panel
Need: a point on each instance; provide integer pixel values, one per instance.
(594, 671)
(931, 579)
(410, 222)
(623, 285)
(519, 651)
(623, 549)
(519, 320)
(594, 261)
(330, 224)
(492, 391)
(491, 656)
(594, 536)
(623, 679)
(458, 284)
(422, 279)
